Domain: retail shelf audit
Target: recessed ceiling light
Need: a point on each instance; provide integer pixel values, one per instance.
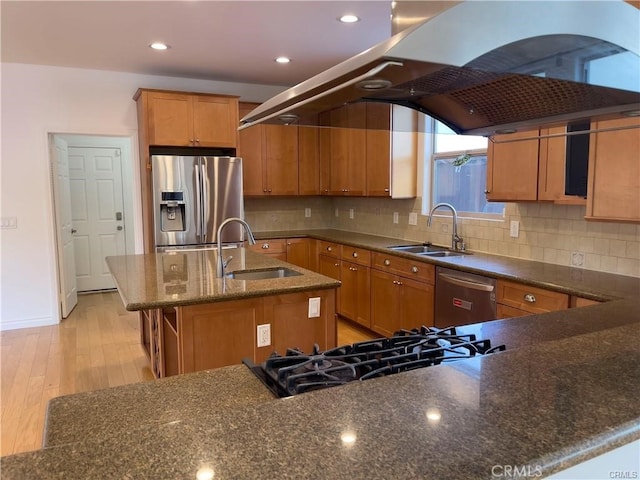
(349, 18)
(159, 46)
(283, 60)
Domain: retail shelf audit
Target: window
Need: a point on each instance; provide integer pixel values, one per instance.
(459, 173)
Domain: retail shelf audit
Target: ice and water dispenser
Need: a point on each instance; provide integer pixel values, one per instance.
(172, 213)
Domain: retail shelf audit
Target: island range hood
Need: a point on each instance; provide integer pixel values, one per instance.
(484, 67)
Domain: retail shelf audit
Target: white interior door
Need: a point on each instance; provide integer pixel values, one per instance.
(64, 226)
(97, 213)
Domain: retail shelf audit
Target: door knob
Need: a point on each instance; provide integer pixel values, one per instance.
(73, 230)
(119, 227)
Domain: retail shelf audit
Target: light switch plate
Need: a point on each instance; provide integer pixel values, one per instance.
(413, 218)
(351, 213)
(337, 212)
(395, 217)
(307, 213)
(314, 307)
(9, 222)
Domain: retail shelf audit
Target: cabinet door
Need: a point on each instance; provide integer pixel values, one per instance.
(281, 159)
(512, 168)
(308, 161)
(251, 149)
(298, 251)
(330, 267)
(385, 294)
(378, 148)
(614, 172)
(170, 119)
(505, 311)
(356, 180)
(355, 293)
(325, 152)
(552, 168)
(417, 304)
(215, 121)
(339, 152)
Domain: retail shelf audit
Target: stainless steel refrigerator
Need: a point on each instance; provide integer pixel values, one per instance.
(192, 196)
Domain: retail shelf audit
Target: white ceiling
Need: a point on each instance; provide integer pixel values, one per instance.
(216, 40)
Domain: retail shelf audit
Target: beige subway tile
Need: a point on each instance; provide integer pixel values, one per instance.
(628, 266)
(608, 264)
(633, 250)
(617, 248)
(537, 254)
(592, 261)
(601, 246)
(579, 226)
(627, 231)
(563, 257)
(550, 255)
(524, 251)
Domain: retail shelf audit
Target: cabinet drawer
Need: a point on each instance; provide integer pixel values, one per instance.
(504, 311)
(330, 249)
(277, 245)
(530, 299)
(356, 255)
(404, 266)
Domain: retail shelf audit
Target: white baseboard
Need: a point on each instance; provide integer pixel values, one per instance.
(28, 323)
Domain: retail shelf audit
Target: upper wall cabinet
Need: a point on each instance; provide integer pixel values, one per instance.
(614, 171)
(189, 119)
(512, 167)
(270, 158)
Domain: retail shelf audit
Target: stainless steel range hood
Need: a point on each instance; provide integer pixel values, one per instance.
(487, 66)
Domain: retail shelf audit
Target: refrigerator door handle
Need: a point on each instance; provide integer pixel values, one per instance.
(198, 202)
(204, 199)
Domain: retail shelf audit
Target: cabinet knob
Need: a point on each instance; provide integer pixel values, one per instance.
(336, 264)
(387, 262)
(265, 246)
(487, 191)
(197, 140)
(269, 190)
(530, 297)
(264, 190)
(191, 140)
(329, 249)
(355, 254)
(414, 269)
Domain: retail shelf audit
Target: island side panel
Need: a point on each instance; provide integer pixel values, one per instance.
(291, 326)
(215, 335)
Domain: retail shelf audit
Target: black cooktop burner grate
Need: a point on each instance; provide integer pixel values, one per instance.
(297, 372)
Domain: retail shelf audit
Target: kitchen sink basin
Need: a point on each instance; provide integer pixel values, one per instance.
(444, 253)
(263, 274)
(421, 249)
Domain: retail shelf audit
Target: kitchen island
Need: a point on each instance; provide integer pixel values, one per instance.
(563, 392)
(192, 320)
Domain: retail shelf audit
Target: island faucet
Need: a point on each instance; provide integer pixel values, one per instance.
(222, 264)
(456, 240)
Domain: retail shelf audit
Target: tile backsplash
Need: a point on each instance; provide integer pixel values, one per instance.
(548, 233)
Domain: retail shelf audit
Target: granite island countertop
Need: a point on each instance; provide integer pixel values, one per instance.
(181, 278)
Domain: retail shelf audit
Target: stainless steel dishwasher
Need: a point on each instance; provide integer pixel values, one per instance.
(463, 298)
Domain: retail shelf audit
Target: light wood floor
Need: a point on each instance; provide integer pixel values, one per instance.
(97, 346)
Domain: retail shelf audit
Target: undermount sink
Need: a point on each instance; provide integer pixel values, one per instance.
(262, 274)
(444, 253)
(421, 249)
(429, 250)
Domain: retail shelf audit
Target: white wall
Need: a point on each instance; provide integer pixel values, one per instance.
(37, 100)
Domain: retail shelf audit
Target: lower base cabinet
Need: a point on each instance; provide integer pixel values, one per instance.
(200, 337)
(517, 300)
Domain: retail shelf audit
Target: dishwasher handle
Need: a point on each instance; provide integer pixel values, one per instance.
(485, 287)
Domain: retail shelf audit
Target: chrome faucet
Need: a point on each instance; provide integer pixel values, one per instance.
(456, 240)
(222, 264)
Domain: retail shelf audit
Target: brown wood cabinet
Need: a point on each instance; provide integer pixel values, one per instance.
(402, 293)
(529, 299)
(355, 291)
(189, 119)
(614, 172)
(299, 251)
(330, 264)
(512, 167)
(551, 168)
(218, 334)
(274, 247)
(308, 160)
(577, 302)
(270, 158)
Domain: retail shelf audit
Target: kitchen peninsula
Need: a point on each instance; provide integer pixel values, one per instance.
(191, 320)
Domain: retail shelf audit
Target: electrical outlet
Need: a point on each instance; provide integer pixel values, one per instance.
(264, 335)
(413, 218)
(337, 212)
(514, 229)
(307, 213)
(9, 222)
(395, 217)
(577, 259)
(351, 213)
(314, 307)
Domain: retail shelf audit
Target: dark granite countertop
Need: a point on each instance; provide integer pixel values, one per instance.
(565, 390)
(543, 405)
(574, 281)
(159, 280)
